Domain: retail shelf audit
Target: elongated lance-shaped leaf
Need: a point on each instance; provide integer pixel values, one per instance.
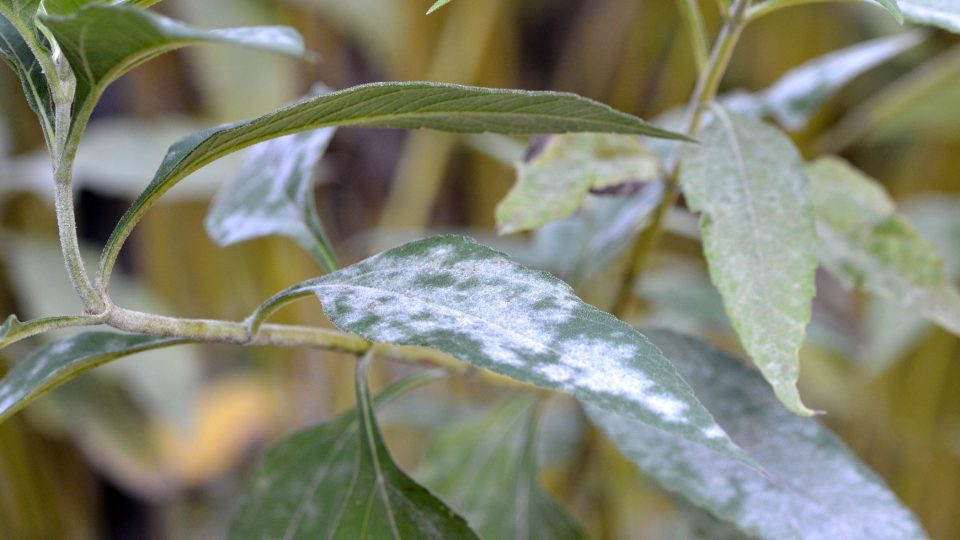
(865, 242)
(749, 183)
(272, 194)
(56, 363)
(487, 471)
(471, 302)
(338, 481)
(16, 52)
(893, 6)
(941, 13)
(800, 92)
(102, 42)
(411, 105)
(553, 183)
(814, 488)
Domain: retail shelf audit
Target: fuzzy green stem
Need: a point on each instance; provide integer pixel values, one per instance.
(703, 95)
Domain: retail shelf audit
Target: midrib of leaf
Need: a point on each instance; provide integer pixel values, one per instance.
(735, 145)
(368, 420)
(318, 477)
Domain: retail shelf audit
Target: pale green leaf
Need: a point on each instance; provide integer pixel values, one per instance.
(800, 92)
(749, 183)
(338, 481)
(486, 470)
(552, 184)
(813, 487)
(893, 6)
(102, 42)
(452, 294)
(56, 363)
(437, 5)
(272, 194)
(409, 105)
(942, 13)
(865, 242)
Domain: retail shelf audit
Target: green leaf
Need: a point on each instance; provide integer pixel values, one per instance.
(486, 470)
(437, 5)
(942, 13)
(338, 481)
(813, 486)
(749, 183)
(865, 242)
(452, 294)
(799, 93)
(102, 42)
(552, 184)
(15, 20)
(56, 363)
(272, 194)
(405, 105)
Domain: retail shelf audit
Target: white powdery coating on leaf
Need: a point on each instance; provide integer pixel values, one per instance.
(455, 295)
(813, 488)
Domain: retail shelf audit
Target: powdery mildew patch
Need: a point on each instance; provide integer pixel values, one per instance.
(455, 295)
(813, 489)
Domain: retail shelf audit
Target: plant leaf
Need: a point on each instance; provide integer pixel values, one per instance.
(338, 480)
(452, 294)
(865, 242)
(410, 105)
(893, 6)
(800, 92)
(56, 363)
(437, 5)
(14, 50)
(748, 181)
(552, 184)
(814, 487)
(272, 194)
(942, 13)
(486, 470)
(102, 42)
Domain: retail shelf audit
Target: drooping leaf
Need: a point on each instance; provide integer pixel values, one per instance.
(552, 184)
(475, 304)
(410, 105)
(272, 194)
(814, 487)
(338, 480)
(437, 5)
(749, 183)
(942, 13)
(865, 242)
(102, 42)
(487, 471)
(799, 93)
(56, 363)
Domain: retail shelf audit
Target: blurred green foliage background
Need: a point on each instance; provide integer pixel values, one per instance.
(158, 446)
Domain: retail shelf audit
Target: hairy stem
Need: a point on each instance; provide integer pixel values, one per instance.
(703, 95)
